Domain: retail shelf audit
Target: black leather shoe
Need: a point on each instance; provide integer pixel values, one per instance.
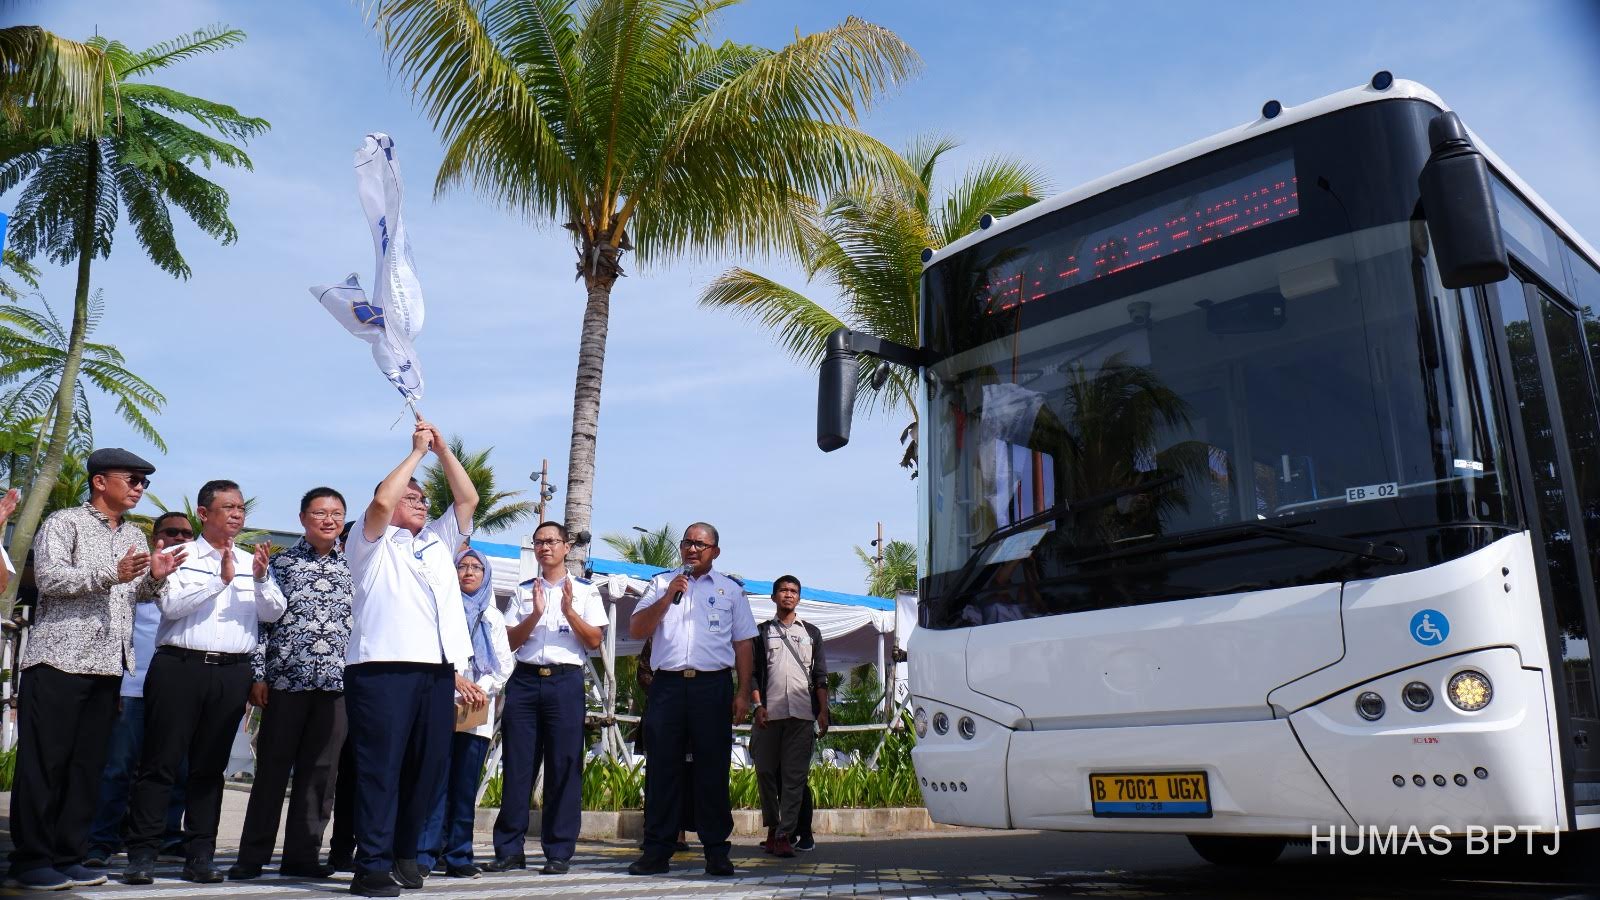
(718, 865)
(375, 884)
(556, 867)
(201, 871)
(140, 871)
(467, 871)
(649, 865)
(341, 862)
(315, 870)
(506, 863)
(243, 872)
(406, 874)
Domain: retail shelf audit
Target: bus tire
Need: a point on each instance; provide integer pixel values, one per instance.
(1227, 850)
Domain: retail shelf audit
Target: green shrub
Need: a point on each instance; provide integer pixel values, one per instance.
(8, 768)
(611, 785)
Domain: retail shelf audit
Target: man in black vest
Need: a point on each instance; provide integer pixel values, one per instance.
(791, 681)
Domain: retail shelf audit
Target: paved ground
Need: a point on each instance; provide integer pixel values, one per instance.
(966, 864)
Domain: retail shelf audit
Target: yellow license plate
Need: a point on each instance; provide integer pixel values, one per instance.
(1150, 795)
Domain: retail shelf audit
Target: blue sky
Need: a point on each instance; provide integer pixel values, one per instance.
(700, 417)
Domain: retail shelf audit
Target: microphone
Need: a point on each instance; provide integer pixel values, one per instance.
(678, 595)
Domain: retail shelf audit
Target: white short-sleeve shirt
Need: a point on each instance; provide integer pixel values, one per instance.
(199, 611)
(699, 631)
(553, 642)
(407, 601)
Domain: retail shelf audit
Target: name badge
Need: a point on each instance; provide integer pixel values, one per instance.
(714, 619)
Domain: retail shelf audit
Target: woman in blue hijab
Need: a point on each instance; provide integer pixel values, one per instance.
(447, 836)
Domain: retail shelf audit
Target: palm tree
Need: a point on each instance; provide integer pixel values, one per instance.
(143, 163)
(497, 510)
(627, 124)
(866, 243)
(657, 548)
(898, 572)
(33, 355)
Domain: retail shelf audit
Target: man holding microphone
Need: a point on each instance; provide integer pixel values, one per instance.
(701, 627)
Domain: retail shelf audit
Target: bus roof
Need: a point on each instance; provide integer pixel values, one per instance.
(1401, 89)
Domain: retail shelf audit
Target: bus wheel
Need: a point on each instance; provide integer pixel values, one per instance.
(1221, 850)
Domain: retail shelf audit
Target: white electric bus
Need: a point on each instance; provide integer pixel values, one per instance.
(1260, 491)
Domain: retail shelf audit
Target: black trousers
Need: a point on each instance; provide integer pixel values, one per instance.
(342, 840)
(688, 715)
(63, 731)
(303, 731)
(190, 707)
(542, 725)
(402, 718)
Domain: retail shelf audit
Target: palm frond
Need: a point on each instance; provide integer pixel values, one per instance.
(64, 81)
(176, 50)
(997, 186)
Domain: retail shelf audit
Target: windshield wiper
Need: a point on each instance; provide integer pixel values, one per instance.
(1243, 531)
(1053, 514)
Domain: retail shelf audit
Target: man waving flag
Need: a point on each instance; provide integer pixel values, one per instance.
(392, 318)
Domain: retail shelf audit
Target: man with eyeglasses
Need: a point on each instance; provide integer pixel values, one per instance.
(170, 529)
(552, 624)
(91, 566)
(701, 628)
(199, 682)
(299, 687)
(408, 653)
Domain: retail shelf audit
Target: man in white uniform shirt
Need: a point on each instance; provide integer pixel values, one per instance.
(408, 656)
(198, 683)
(701, 627)
(552, 624)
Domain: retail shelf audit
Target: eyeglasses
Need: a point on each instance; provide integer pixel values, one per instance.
(134, 481)
(184, 533)
(324, 515)
(413, 500)
(469, 567)
(548, 542)
(695, 545)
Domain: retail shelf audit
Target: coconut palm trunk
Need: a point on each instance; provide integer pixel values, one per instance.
(44, 474)
(599, 278)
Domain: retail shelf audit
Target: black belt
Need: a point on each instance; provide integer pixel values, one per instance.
(545, 671)
(209, 657)
(689, 673)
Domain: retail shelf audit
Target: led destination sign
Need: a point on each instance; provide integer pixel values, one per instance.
(1144, 232)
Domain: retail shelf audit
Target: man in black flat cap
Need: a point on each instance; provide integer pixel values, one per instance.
(91, 566)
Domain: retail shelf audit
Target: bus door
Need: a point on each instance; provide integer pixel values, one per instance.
(1546, 363)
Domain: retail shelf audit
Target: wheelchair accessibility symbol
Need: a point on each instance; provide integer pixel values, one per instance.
(1430, 627)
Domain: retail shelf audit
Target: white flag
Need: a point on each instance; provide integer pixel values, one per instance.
(391, 350)
(392, 318)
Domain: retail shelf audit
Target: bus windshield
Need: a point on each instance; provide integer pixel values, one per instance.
(1260, 339)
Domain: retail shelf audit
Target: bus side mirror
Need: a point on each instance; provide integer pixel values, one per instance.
(1458, 202)
(836, 391)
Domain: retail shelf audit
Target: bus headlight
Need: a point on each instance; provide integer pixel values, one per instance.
(919, 721)
(1370, 706)
(1470, 690)
(941, 722)
(966, 727)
